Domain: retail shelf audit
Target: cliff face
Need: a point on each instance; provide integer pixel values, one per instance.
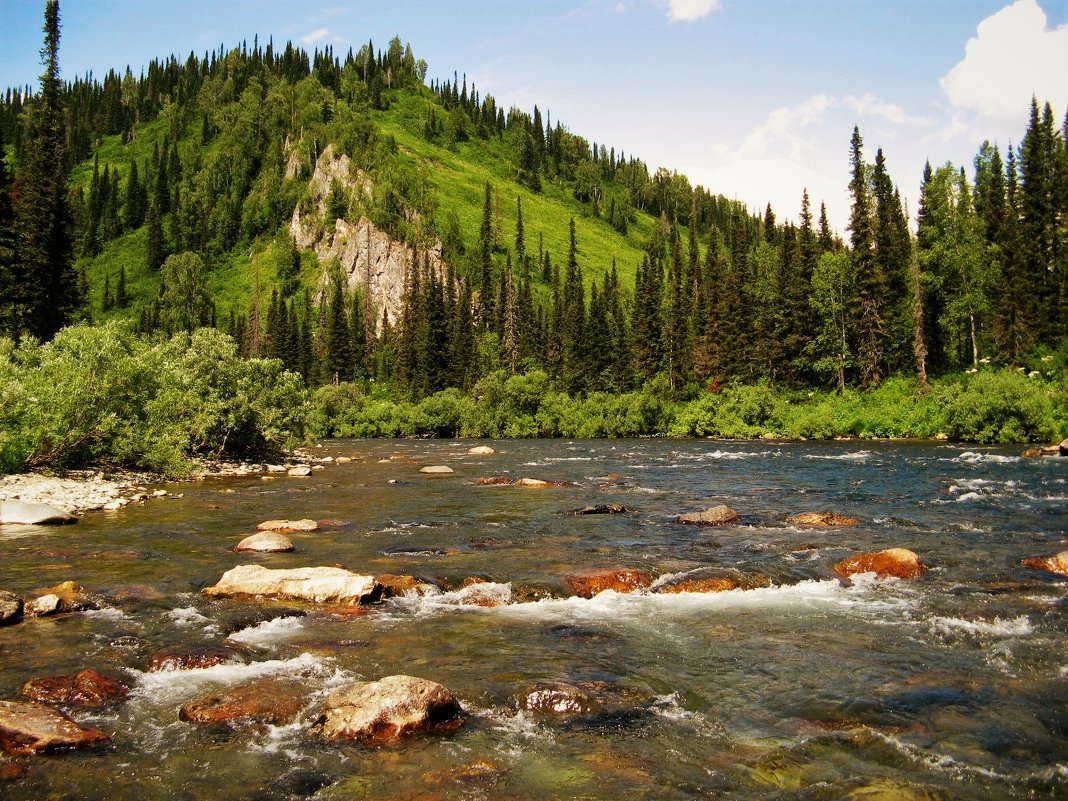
(369, 257)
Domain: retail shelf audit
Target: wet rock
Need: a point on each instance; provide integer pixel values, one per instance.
(599, 509)
(300, 471)
(588, 583)
(389, 708)
(86, 688)
(11, 606)
(135, 594)
(557, 698)
(821, 519)
(267, 700)
(540, 482)
(403, 585)
(34, 514)
(523, 592)
(288, 525)
(712, 580)
(12, 771)
(193, 658)
(436, 470)
(65, 597)
(716, 516)
(493, 481)
(33, 729)
(899, 562)
(1054, 563)
(332, 585)
(265, 542)
(481, 450)
(250, 617)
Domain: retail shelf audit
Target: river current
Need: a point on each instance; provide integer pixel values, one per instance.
(950, 686)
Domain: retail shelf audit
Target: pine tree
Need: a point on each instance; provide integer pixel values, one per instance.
(10, 274)
(134, 205)
(155, 247)
(869, 325)
(121, 300)
(338, 345)
(485, 251)
(43, 216)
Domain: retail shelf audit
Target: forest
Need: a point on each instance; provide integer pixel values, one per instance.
(543, 265)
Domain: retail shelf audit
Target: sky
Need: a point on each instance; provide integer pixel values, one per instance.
(753, 99)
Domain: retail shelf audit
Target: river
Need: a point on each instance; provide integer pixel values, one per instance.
(950, 686)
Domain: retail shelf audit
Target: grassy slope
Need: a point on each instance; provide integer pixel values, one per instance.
(458, 175)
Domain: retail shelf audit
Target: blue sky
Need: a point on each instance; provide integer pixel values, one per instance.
(752, 99)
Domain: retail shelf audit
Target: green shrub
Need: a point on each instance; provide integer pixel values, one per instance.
(998, 406)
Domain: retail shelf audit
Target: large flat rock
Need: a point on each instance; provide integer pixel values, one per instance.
(322, 585)
(34, 514)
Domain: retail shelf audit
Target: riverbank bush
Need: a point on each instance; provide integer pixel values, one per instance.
(104, 396)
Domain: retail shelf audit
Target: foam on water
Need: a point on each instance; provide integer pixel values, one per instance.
(1014, 627)
(852, 456)
(270, 631)
(669, 708)
(974, 457)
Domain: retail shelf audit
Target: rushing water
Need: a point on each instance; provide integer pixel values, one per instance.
(952, 686)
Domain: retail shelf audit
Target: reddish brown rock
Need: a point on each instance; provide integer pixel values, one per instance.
(716, 516)
(393, 707)
(493, 481)
(1054, 563)
(1032, 453)
(712, 580)
(821, 519)
(193, 658)
(12, 772)
(402, 585)
(588, 583)
(33, 729)
(899, 562)
(86, 688)
(271, 701)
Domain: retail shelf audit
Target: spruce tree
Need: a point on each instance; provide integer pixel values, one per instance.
(43, 216)
(869, 324)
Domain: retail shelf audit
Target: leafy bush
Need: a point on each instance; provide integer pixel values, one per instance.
(1002, 406)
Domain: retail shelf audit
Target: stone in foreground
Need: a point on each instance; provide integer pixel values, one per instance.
(11, 606)
(33, 729)
(288, 525)
(716, 516)
(897, 562)
(322, 585)
(86, 688)
(265, 542)
(588, 583)
(267, 700)
(1054, 563)
(34, 514)
(393, 707)
(821, 519)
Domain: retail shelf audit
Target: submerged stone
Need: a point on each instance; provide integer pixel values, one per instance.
(86, 688)
(599, 509)
(331, 585)
(392, 707)
(716, 516)
(588, 583)
(33, 729)
(898, 562)
(266, 700)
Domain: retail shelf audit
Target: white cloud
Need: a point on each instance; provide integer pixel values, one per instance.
(689, 10)
(1013, 56)
(320, 35)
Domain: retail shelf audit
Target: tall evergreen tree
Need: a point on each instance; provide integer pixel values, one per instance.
(869, 325)
(43, 215)
(10, 274)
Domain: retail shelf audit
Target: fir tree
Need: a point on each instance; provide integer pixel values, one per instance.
(871, 285)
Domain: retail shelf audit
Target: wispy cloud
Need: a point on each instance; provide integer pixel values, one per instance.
(321, 35)
(689, 10)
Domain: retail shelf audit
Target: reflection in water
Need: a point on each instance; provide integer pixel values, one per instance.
(951, 686)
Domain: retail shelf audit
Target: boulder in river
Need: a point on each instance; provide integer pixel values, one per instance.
(288, 525)
(193, 658)
(821, 519)
(11, 606)
(898, 562)
(389, 708)
(436, 470)
(264, 700)
(393, 586)
(34, 514)
(716, 516)
(86, 688)
(329, 585)
(1054, 563)
(557, 698)
(711, 580)
(65, 597)
(265, 542)
(33, 729)
(588, 583)
(481, 450)
(599, 509)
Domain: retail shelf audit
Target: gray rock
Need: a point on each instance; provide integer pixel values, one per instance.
(716, 516)
(34, 514)
(10, 607)
(436, 469)
(265, 542)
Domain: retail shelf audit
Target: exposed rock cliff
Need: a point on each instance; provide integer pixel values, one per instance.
(369, 257)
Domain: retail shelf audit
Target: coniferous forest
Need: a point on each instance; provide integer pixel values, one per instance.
(552, 285)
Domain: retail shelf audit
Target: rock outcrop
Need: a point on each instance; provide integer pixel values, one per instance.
(1054, 563)
(588, 583)
(33, 729)
(897, 562)
(321, 585)
(86, 688)
(389, 708)
(716, 516)
(34, 514)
